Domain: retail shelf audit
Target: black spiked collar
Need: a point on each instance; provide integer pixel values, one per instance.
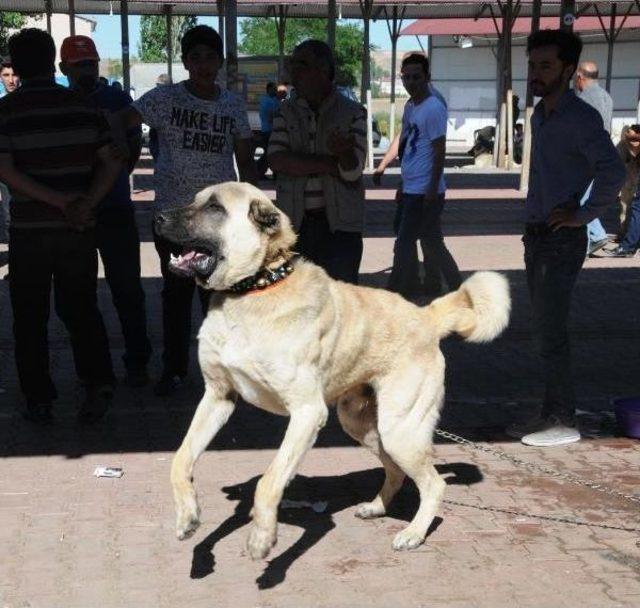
(264, 278)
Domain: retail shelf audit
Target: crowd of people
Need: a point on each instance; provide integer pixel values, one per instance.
(66, 155)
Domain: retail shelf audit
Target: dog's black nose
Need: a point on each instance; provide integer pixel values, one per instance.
(161, 218)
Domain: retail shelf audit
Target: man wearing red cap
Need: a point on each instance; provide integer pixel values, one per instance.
(116, 231)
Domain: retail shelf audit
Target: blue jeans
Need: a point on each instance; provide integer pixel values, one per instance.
(418, 221)
(119, 246)
(338, 252)
(553, 261)
(595, 230)
(631, 240)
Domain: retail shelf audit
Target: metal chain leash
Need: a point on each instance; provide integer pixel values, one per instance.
(544, 470)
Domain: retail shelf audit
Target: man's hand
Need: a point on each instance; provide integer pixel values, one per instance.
(564, 218)
(343, 147)
(79, 212)
(377, 176)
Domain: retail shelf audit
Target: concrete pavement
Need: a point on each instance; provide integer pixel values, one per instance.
(68, 539)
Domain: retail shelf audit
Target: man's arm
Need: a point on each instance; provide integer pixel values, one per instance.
(609, 177)
(30, 187)
(244, 158)
(351, 150)
(105, 172)
(439, 153)
(388, 158)
(134, 143)
(282, 160)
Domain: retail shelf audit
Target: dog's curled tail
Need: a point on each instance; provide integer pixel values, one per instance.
(478, 310)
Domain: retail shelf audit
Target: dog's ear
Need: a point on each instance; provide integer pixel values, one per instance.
(265, 215)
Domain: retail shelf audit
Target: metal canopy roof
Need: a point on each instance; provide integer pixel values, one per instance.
(347, 9)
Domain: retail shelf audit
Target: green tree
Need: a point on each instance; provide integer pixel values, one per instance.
(152, 47)
(259, 37)
(9, 23)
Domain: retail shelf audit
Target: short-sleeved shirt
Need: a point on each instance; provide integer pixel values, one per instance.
(196, 140)
(111, 100)
(422, 124)
(268, 107)
(53, 135)
(599, 99)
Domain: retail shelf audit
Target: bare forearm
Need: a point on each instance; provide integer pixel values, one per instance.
(28, 186)
(436, 174)
(391, 155)
(104, 177)
(299, 165)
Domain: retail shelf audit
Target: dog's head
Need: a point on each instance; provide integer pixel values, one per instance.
(228, 233)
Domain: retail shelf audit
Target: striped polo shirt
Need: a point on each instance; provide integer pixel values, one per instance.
(53, 136)
(279, 142)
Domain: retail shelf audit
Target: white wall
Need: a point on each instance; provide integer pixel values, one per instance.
(467, 77)
(60, 28)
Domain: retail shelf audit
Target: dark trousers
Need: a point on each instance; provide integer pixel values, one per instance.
(69, 258)
(553, 261)
(631, 240)
(177, 299)
(119, 246)
(338, 252)
(415, 221)
(262, 164)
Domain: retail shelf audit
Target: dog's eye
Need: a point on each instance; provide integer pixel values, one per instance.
(213, 206)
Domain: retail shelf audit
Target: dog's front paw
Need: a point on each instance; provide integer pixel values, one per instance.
(187, 518)
(369, 510)
(407, 539)
(260, 542)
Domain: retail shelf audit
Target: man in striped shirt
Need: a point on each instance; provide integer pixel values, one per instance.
(317, 151)
(55, 156)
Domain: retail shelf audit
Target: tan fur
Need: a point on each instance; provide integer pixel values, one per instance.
(311, 341)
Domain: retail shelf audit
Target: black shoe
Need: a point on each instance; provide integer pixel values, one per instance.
(38, 413)
(136, 378)
(619, 252)
(168, 384)
(96, 404)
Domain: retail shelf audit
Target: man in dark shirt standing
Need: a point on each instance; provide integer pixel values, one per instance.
(55, 156)
(570, 150)
(116, 231)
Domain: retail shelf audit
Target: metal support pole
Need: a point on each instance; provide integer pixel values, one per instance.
(220, 4)
(394, 34)
(611, 39)
(168, 11)
(281, 29)
(567, 15)
(231, 36)
(366, 6)
(369, 131)
(72, 17)
(331, 25)
(124, 28)
(528, 113)
(48, 11)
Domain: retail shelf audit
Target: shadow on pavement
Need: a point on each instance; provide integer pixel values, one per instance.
(340, 492)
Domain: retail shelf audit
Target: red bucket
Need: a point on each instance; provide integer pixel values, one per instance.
(627, 411)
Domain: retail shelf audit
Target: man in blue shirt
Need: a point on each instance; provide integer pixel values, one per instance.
(116, 231)
(269, 105)
(571, 149)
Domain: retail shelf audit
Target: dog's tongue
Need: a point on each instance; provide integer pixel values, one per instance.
(185, 261)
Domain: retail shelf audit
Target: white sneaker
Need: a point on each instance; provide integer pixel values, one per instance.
(518, 430)
(555, 433)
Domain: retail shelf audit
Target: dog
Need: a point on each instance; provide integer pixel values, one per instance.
(289, 339)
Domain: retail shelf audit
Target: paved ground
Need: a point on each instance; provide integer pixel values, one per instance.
(68, 539)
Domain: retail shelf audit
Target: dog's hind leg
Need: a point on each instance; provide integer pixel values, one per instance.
(408, 405)
(305, 422)
(212, 413)
(357, 415)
